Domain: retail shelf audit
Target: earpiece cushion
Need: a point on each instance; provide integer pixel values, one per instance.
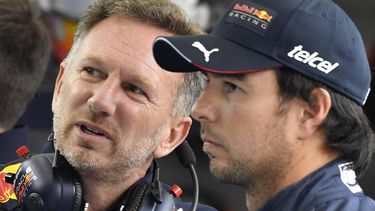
(77, 201)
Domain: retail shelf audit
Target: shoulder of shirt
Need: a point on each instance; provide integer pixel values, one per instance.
(349, 203)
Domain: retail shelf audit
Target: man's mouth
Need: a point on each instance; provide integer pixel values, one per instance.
(91, 131)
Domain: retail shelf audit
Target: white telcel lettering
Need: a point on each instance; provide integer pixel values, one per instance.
(312, 59)
(311, 62)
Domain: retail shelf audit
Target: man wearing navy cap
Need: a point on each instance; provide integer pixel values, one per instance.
(281, 114)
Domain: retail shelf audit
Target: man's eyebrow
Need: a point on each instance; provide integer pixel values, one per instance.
(142, 80)
(93, 58)
(135, 78)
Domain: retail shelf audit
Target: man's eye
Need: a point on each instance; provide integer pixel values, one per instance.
(134, 89)
(92, 71)
(230, 87)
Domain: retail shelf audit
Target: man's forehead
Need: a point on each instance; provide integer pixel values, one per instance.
(237, 76)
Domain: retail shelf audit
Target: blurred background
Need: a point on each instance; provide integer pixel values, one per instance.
(61, 17)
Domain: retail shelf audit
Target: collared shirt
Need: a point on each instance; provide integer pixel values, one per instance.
(332, 187)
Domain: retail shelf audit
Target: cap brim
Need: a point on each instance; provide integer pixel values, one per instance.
(177, 54)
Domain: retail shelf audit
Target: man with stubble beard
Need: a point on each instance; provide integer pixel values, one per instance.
(115, 110)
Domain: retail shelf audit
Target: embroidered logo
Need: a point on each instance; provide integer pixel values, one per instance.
(312, 59)
(205, 52)
(348, 177)
(251, 16)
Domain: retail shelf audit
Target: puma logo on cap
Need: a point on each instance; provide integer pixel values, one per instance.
(206, 52)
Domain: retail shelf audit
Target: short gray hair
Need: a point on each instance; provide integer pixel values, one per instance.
(161, 13)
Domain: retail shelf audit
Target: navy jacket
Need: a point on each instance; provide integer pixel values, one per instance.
(9, 202)
(333, 187)
(10, 141)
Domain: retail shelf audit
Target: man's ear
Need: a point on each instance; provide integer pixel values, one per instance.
(314, 114)
(177, 134)
(58, 84)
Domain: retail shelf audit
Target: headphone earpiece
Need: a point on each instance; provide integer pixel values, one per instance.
(77, 198)
(44, 183)
(48, 182)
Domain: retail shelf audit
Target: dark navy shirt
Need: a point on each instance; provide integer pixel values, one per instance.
(123, 200)
(332, 188)
(179, 204)
(10, 141)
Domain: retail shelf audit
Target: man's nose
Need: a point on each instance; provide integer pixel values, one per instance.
(104, 98)
(204, 110)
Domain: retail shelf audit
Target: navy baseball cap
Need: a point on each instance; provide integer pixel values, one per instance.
(314, 37)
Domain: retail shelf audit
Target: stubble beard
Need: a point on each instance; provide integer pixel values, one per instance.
(125, 160)
(259, 175)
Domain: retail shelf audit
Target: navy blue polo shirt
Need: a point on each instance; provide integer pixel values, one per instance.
(332, 187)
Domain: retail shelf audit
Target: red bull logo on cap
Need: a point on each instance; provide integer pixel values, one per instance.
(244, 8)
(261, 14)
(251, 16)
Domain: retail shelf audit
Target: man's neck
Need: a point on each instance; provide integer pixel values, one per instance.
(100, 194)
(260, 192)
(303, 165)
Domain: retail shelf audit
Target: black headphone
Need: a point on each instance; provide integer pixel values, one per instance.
(48, 182)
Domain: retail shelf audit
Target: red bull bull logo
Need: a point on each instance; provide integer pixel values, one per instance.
(261, 14)
(6, 190)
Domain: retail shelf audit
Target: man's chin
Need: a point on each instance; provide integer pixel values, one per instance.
(81, 160)
(217, 170)
(222, 173)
